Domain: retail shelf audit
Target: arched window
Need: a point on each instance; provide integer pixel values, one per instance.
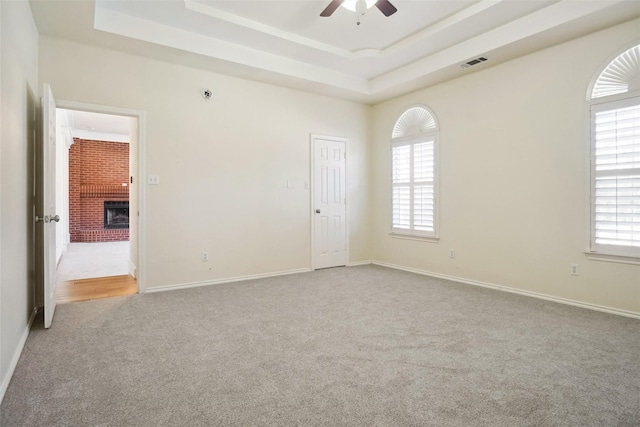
(614, 115)
(414, 157)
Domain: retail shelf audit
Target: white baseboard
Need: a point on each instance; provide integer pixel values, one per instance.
(225, 280)
(560, 300)
(356, 263)
(16, 356)
(132, 269)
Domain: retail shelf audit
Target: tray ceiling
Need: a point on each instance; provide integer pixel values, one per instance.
(288, 43)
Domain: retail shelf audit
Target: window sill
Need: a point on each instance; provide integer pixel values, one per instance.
(621, 259)
(414, 237)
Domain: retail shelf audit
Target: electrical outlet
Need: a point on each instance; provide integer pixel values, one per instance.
(205, 256)
(452, 253)
(574, 270)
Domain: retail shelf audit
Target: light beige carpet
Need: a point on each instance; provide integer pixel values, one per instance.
(89, 260)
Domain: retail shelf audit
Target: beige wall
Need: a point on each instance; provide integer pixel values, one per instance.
(513, 180)
(18, 93)
(223, 163)
(512, 169)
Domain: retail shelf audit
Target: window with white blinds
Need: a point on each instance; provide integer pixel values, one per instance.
(614, 155)
(414, 157)
(413, 171)
(615, 177)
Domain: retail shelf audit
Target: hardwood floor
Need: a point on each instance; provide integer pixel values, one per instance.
(101, 287)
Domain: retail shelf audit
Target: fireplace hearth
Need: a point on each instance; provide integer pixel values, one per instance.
(116, 214)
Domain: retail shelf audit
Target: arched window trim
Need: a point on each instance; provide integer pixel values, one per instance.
(598, 74)
(428, 133)
(427, 118)
(598, 251)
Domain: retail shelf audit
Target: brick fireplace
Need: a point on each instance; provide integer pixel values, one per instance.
(98, 182)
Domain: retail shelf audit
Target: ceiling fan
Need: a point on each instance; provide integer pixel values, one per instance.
(384, 6)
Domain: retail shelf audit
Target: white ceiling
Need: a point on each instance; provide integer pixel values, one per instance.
(96, 126)
(288, 43)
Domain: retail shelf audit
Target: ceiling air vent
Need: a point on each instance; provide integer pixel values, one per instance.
(473, 62)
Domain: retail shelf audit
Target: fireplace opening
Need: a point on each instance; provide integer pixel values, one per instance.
(116, 214)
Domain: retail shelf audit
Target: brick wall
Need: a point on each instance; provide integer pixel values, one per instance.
(97, 170)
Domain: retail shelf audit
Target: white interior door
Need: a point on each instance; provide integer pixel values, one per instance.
(329, 202)
(48, 217)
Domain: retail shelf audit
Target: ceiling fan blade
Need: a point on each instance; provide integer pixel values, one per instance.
(386, 8)
(328, 11)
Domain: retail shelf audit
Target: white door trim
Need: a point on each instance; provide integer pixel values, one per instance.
(312, 141)
(48, 197)
(141, 116)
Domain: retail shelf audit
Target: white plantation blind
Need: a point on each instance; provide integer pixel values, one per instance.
(413, 171)
(620, 76)
(414, 178)
(401, 169)
(615, 162)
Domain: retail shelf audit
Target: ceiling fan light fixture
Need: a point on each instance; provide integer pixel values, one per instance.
(359, 6)
(352, 5)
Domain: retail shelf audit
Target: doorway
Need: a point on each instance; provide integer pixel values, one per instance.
(95, 165)
(329, 205)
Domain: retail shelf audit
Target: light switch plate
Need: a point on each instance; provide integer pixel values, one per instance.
(153, 179)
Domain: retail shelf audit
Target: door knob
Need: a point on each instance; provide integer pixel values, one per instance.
(317, 210)
(55, 218)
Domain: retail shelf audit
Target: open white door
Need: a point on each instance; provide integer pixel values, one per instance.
(48, 216)
(329, 202)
